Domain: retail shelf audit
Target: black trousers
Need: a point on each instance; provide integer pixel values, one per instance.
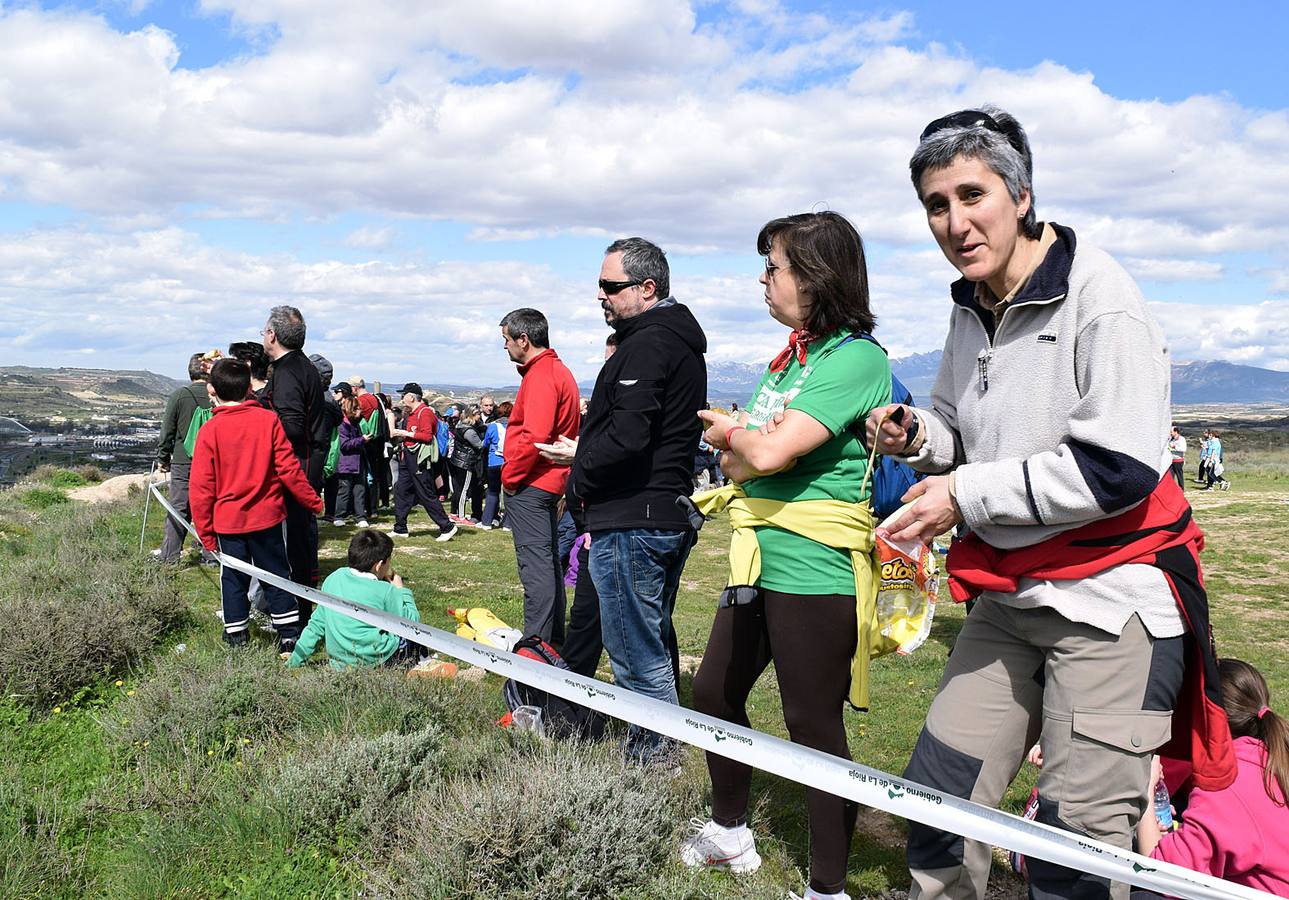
(266, 549)
(351, 496)
(378, 466)
(811, 640)
(584, 644)
(416, 487)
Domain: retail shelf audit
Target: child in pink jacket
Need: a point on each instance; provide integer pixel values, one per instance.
(1240, 833)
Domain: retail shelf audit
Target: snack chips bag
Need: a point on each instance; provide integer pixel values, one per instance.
(907, 589)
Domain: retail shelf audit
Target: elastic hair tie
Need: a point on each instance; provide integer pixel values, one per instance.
(1263, 711)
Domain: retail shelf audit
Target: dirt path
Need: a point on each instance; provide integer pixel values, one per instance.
(113, 489)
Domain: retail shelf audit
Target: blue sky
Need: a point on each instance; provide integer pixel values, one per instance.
(168, 171)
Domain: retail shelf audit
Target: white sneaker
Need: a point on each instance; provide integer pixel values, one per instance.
(448, 535)
(714, 846)
(815, 895)
(339, 523)
(362, 523)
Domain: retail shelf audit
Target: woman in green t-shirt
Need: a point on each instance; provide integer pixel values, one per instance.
(795, 442)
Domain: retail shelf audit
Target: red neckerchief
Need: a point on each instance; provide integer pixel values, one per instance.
(798, 342)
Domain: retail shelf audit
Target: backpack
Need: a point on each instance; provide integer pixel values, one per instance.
(562, 718)
(333, 454)
(443, 439)
(891, 478)
(376, 425)
(200, 416)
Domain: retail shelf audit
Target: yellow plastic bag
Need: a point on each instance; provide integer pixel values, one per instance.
(908, 587)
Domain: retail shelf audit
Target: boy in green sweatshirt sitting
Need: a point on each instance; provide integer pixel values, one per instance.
(370, 579)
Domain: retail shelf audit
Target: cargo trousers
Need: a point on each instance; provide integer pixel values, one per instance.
(1098, 703)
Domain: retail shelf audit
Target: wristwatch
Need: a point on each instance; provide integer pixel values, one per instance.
(911, 433)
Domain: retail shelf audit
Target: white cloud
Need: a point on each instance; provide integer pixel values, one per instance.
(1172, 269)
(520, 126)
(370, 238)
(390, 108)
(1255, 334)
(149, 298)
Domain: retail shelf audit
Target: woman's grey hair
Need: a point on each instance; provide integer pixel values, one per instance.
(996, 139)
(288, 325)
(644, 261)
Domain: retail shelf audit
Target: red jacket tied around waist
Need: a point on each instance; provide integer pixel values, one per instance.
(1160, 532)
(242, 467)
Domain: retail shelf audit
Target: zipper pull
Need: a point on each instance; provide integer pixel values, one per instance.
(982, 367)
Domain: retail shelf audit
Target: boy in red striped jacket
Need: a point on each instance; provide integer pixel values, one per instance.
(242, 469)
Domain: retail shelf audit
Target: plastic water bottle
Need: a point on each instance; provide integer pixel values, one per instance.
(527, 718)
(1163, 806)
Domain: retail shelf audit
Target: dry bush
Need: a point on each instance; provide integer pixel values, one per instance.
(91, 474)
(353, 786)
(557, 820)
(78, 603)
(216, 700)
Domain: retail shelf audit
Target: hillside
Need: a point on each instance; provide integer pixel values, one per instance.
(32, 395)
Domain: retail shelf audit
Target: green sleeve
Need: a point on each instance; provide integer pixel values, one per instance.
(308, 640)
(847, 383)
(400, 602)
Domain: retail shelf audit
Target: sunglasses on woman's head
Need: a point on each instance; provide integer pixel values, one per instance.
(967, 118)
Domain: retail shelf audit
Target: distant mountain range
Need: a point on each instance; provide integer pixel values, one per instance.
(1201, 381)
(28, 392)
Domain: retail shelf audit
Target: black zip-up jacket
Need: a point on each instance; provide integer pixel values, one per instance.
(295, 394)
(635, 453)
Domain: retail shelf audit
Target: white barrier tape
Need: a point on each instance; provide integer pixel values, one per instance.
(803, 765)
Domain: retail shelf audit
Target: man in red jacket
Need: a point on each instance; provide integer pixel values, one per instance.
(546, 408)
(243, 468)
(415, 485)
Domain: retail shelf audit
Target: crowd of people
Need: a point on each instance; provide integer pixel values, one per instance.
(1211, 474)
(1089, 633)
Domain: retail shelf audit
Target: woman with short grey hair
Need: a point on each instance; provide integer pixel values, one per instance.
(1047, 435)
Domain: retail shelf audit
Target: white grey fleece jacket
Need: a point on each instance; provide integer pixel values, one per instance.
(1057, 418)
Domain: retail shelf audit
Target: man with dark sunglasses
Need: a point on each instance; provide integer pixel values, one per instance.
(632, 463)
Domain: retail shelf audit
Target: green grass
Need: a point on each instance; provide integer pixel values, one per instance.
(186, 778)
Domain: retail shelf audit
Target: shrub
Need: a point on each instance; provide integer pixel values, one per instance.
(216, 700)
(89, 474)
(58, 477)
(77, 604)
(42, 497)
(561, 820)
(352, 786)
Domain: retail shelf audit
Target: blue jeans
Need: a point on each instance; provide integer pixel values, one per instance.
(636, 573)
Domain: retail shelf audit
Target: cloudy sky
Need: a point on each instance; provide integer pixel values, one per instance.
(406, 172)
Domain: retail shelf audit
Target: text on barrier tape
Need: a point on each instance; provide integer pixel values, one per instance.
(804, 765)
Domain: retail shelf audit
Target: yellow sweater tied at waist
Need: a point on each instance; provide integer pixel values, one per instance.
(834, 523)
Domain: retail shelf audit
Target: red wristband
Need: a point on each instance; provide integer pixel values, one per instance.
(729, 434)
